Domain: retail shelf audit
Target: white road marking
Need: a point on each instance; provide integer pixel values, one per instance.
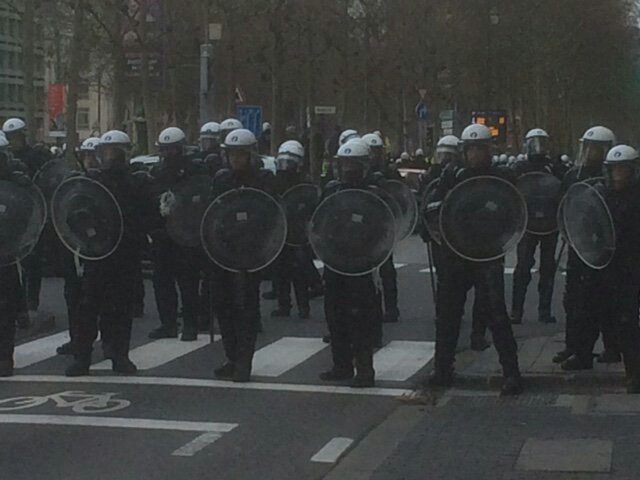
(507, 270)
(117, 422)
(38, 350)
(332, 450)
(283, 355)
(400, 360)
(204, 383)
(320, 265)
(197, 444)
(159, 352)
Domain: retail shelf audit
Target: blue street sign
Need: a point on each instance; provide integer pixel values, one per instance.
(422, 111)
(251, 117)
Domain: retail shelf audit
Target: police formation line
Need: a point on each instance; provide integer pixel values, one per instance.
(218, 223)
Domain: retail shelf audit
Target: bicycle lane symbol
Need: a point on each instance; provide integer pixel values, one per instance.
(77, 401)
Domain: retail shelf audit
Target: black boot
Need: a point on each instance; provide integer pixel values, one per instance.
(123, 365)
(337, 374)
(189, 334)
(441, 377)
(516, 317)
(511, 386)
(609, 356)
(163, 332)
(242, 373)
(546, 318)
(574, 363)
(281, 313)
(79, 367)
(6, 368)
(562, 356)
(65, 349)
(225, 372)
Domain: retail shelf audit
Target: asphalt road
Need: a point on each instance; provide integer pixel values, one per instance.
(174, 420)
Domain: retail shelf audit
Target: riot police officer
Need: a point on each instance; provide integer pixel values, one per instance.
(351, 303)
(173, 264)
(594, 145)
(229, 125)
(612, 292)
(458, 275)
(108, 284)
(291, 267)
(10, 286)
(237, 302)
(537, 160)
(210, 147)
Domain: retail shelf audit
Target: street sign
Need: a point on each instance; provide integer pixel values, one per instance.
(446, 124)
(422, 111)
(447, 115)
(324, 110)
(423, 92)
(251, 117)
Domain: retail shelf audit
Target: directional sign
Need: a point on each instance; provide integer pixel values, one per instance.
(324, 110)
(251, 117)
(422, 111)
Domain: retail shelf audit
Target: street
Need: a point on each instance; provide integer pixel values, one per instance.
(174, 420)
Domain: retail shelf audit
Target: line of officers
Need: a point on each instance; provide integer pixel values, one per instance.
(595, 300)
(103, 296)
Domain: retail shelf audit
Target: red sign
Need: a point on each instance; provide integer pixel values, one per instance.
(57, 106)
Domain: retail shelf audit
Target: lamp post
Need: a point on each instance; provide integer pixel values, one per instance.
(213, 33)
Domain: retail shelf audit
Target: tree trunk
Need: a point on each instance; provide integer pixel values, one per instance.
(74, 79)
(118, 88)
(28, 66)
(147, 94)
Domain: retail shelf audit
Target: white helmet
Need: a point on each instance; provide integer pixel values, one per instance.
(536, 132)
(90, 144)
(520, 157)
(476, 133)
(564, 158)
(240, 138)
(4, 143)
(503, 158)
(355, 148)
(171, 136)
(266, 126)
(230, 124)
(405, 156)
(378, 132)
(621, 154)
(512, 159)
(115, 137)
(210, 129)
(448, 143)
(291, 148)
(372, 140)
(419, 153)
(347, 135)
(13, 125)
(599, 134)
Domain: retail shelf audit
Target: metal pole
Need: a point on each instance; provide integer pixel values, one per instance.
(434, 288)
(205, 55)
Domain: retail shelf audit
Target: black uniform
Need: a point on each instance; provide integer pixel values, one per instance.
(456, 277)
(575, 294)
(174, 264)
(108, 285)
(612, 293)
(353, 313)
(290, 269)
(526, 258)
(11, 290)
(236, 295)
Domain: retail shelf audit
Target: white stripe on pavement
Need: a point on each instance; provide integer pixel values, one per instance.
(332, 450)
(507, 270)
(320, 264)
(159, 352)
(204, 383)
(38, 350)
(400, 360)
(197, 444)
(285, 354)
(117, 422)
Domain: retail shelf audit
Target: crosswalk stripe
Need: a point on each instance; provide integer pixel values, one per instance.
(159, 352)
(320, 265)
(285, 354)
(400, 359)
(38, 350)
(507, 270)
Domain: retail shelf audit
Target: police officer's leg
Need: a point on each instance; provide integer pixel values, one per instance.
(548, 244)
(522, 275)
(138, 292)
(390, 288)
(116, 314)
(336, 309)
(479, 322)
(223, 306)
(610, 340)
(625, 321)
(574, 308)
(301, 284)
(314, 278)
(454, 283)
(9, 287)
(594, 292)
(164, 286)
(362, 329)
(33, 275)
(247, 314)
(188, 282)
(489, 281)
(72, 296)
(282, 280)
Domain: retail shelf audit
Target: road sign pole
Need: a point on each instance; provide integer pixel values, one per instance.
(205, 55)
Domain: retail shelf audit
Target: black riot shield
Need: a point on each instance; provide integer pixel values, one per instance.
(87, 218)
(352, 232)
(431, 214)
(23, 214)
(52, 174)
(543, 193)
(588, 225)
(482, 218)
(299, 203)
(187, 201)
(243, 230)
(393, 205)
(408, 204)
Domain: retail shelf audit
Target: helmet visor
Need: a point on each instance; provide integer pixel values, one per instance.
(538, 147)
(592, 154)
